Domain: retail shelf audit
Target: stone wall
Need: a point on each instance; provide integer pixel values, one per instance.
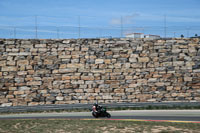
(36, 72)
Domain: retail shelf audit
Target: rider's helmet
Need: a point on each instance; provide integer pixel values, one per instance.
(95, 104)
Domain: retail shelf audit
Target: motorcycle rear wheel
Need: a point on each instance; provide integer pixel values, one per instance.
(95, 116)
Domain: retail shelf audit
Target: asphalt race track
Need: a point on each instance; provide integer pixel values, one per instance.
(169, 115)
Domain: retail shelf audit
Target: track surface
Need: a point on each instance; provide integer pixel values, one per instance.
(170, 115)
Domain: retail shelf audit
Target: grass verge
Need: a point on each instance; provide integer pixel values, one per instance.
(91, 126)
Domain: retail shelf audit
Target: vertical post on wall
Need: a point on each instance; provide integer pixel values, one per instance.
(36, 35)
(121, 26)
(79, 27)
(165, 26)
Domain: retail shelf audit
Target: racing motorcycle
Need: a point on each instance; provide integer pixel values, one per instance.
(102, 112)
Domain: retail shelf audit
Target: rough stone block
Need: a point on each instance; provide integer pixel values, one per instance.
(59, 98)
(196, 71)
(107, 97)
(42, 50)
(192, 50)
(33, 103)
(78, 90)
(75, 77)
(177, 88)
(176, 50)
(77, 82)
(18, 92)
(139, 48)
(153, 80)
(2, 63)
(64, 56)
(20, 54)
(19, 80)
(68, 70)
(40, 45)
(169, 88)
(63, 66)
(87, 77)
(117, 65)
(187, 79)
(143, 59)
(6, 104)
(12, 88)
(84, 49)
(66, 41)
(10, 96)
(24, 88)
(151, 100)
(160, 84)
(50, 99)
(174, 94)
(48, 62)
(98, 71)
(133, 85)
(10, 42)
(107, 61)
(167, 64)
(99, 61)
(143, 97)
(120, 90)
(75, 56)
(20, 73)
(26, 43)
(22, 62)
(66, 77)
(108, 53)
(75, 65)
(8, 68)
(34, 83)
(178, 63)
(133, 59)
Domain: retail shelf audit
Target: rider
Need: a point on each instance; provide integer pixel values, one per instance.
(96, 108)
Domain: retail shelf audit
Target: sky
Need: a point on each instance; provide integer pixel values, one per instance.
(98, 17)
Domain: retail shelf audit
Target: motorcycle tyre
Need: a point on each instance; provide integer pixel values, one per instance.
(95, 116)
(108, 115)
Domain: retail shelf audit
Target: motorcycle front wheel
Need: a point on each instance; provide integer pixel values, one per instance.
(108, 115)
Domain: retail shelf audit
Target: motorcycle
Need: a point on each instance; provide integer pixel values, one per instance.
(102, 112)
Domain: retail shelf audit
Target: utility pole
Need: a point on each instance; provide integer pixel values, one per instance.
(79, 27)
(188, 32)
(14, 32)
(58, 33)
(100, 32)
(165, 26)
(121, 26)
(36, 36)
(174, 34)
(142, 28)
